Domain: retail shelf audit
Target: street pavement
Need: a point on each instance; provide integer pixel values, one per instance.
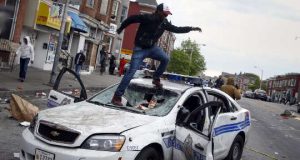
(272, 137)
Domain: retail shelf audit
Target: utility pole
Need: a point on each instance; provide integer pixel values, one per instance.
(54, 71)
(261, 76)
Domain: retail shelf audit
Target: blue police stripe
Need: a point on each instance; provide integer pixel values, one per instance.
(232, 127)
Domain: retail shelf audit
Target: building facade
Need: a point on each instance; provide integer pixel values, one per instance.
(10, 36)
(279, 86)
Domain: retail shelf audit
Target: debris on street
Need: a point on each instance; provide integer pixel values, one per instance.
(40, 94)
(288, 113)
(25, 123)
(21, 109)
(16, 155)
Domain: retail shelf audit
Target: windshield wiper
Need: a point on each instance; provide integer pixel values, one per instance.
(96, 102)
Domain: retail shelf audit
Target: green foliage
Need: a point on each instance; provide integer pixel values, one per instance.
(256, 79)
(187, 59)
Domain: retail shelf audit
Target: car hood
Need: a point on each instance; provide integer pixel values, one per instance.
(89, 119)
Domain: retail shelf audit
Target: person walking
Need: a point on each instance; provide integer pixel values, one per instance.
(151, 28)
(112, 64)
(231, 90)
(79, 60)
(219, 82)
(122, 66)
(103, 56)
(26, 52)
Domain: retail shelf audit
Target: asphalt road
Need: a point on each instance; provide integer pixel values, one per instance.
(271, 136)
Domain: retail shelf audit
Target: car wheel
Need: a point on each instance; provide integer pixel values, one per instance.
(149, 153)
(236, 149)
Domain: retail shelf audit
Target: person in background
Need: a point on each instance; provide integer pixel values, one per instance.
(122, 65)
(219, 82)
(112, 64)
(79, 60)
(103, 56)
(231, 90)
(26, 53)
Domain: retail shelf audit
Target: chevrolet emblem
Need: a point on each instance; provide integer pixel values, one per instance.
(54, 133)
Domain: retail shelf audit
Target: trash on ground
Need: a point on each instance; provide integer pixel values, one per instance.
(40, 94)
(21, 109)
(287, 113)
(25, 123)
(16, 155)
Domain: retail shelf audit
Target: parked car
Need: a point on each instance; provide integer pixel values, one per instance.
(186, 123)
(298, 107)
(260, 94)
(248, 94)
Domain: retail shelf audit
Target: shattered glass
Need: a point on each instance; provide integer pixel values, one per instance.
(149, 100)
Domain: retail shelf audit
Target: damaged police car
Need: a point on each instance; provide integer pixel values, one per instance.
(179, 122)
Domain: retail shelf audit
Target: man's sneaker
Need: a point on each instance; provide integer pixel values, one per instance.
(157, 83)
(116, 100)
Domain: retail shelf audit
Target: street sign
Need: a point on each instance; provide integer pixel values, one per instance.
(75, 2)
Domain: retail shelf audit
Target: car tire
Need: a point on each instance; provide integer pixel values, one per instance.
(236, 149)
(149, 153)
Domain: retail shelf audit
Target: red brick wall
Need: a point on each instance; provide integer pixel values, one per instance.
(2, 2)
(88, 10)
(20, 20)
(130, 31)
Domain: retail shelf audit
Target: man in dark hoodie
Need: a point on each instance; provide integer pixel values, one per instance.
(151, 27)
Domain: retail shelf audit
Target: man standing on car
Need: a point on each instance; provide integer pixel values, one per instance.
(151, 27)
(79, 60)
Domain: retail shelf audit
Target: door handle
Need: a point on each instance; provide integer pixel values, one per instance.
(199, 146)
(233, 118)
(53, 97)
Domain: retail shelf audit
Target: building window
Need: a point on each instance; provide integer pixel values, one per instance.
(123, 14)
(103, 7)
(8, 31)
(115, 9)
(90, 3)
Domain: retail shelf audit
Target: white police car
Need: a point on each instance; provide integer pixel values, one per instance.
(184, 123)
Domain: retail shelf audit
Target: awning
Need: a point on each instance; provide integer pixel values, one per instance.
(77, 23)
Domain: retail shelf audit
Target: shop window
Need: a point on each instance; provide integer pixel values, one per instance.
(90, 3)
(103, 7)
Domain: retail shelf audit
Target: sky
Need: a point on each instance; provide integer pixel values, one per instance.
(242, 34)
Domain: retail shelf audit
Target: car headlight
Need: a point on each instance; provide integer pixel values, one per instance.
(111, 143)
(33, 124)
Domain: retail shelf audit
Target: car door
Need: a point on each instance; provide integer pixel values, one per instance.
(193, 135)
(228, 123)
(71, 91)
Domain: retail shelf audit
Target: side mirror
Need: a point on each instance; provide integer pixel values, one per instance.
(182, 115)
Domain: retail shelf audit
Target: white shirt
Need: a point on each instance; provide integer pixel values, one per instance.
(26, 51)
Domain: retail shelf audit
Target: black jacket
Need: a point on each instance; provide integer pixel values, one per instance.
(79, 58)
(151, 28)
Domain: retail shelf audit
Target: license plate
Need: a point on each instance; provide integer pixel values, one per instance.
(43, 155)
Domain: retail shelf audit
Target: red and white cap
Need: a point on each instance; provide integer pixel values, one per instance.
(164, 8)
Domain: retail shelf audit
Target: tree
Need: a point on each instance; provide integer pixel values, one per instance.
(187, 59)
(255, 78)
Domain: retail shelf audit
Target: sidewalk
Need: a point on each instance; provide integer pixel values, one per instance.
(37, 80)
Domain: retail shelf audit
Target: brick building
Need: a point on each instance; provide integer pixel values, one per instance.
(278, 86)
(11, 34)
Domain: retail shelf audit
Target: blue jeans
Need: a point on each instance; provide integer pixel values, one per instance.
(137, 58)
(23, 67)
(77, 69)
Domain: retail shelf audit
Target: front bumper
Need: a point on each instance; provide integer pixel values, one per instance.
(29, 144)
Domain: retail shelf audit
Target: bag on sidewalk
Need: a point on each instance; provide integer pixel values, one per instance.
(21, 109)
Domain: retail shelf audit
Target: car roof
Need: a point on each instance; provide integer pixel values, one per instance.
(179, 87)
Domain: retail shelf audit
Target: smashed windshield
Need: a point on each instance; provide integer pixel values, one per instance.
(146, 99)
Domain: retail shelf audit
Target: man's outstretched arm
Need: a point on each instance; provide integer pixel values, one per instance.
(176, 29)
